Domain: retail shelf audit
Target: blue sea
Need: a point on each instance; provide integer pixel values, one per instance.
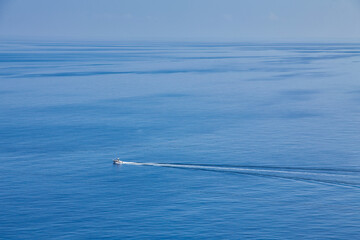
(233, 140)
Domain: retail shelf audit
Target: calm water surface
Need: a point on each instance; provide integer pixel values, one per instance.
(278, 125)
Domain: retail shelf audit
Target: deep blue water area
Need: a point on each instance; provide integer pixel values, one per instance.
(277, 123)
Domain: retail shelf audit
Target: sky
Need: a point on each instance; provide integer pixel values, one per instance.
(206, 20)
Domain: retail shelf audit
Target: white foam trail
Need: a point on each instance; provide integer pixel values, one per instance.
(352, 181)
(237, 169)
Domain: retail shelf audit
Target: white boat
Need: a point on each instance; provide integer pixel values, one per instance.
(117, 161)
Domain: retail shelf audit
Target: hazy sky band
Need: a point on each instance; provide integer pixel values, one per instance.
(180, 19)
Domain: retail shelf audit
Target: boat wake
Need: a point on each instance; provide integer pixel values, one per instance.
(333, 176)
